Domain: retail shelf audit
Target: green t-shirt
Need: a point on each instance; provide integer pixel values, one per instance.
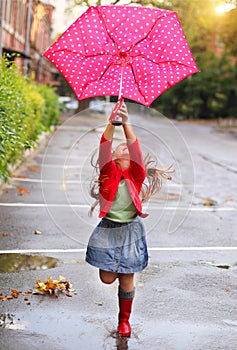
(122, 209)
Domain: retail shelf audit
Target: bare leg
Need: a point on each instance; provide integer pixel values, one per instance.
(126, 281)
(107, 276)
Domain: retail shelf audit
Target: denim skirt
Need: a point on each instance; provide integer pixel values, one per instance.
(118, 247)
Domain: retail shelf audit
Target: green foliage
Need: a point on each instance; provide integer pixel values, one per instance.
(212, 93)
(51, 107)
(228, 31)
(24, 114)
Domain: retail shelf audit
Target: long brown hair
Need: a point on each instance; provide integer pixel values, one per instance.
(154, 177)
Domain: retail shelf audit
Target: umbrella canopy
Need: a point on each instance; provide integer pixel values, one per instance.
(126, 51)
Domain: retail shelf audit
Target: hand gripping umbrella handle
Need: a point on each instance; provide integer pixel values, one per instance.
(114, 118)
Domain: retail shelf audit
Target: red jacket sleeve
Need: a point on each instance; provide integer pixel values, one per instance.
(105, 152)
(137, 166)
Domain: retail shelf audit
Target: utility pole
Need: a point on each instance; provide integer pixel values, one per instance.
(27, 45)
(2, 16)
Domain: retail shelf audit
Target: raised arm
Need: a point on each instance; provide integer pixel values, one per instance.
(129, 134)
(109, 132)
(137, 162)
(105, 151)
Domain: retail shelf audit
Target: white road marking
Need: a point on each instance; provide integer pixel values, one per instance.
(66, 182)
(56, 156)
(42, 205)
(207, 209)
(64, 166)
(26, 179)
(83, 250)
(150, 207)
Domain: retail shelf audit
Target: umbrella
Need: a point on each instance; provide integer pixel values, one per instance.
(126, 51)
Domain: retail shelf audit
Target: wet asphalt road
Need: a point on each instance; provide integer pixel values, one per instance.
(187, 297)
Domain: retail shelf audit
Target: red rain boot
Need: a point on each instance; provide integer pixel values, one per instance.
(125, 307)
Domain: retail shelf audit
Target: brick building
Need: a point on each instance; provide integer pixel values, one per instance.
(26, 34)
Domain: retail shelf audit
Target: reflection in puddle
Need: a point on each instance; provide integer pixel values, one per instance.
(7, 320)
(121, 342)
(20, 262)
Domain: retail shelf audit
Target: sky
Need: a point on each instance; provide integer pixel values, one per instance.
(62, 21)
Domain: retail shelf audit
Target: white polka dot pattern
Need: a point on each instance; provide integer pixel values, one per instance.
(148, 43)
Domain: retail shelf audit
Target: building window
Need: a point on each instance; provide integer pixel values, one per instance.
(8, 11)
(8, 22)
(21, 17)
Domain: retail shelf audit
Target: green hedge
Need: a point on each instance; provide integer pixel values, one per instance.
(26, 109)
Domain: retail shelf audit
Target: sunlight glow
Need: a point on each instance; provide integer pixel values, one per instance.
(224, 8)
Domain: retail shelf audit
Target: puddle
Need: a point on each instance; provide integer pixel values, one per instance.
(8, 320)
(21, 262)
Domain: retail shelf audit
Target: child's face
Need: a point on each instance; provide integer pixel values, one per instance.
(121, 156)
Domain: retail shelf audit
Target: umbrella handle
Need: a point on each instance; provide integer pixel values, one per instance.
(114, 118)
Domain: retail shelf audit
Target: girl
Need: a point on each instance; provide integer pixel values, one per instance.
(118, 245)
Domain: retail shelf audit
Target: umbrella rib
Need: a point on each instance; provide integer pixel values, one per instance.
(77, 54)
(160, 62)
(95, 80)
(106, 29)
(146, 36)
(138, 87)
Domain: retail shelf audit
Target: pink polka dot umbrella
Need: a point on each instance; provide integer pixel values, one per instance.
(126, 51)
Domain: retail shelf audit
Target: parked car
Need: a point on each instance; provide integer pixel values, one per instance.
(68, 103)
(97, 106)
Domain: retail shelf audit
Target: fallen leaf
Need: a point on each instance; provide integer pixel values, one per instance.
(4, 234)
(7, 297)
(100, 303)
(52, 286)
(33, 169)
(22, 191)
(15, 293)
(209, 202)
(19, 176)
(62, 286)
(29, 291)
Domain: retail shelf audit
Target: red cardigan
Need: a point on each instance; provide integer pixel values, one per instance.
(110, 176)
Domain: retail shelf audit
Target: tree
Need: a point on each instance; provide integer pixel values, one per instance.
(209, 94)
(228, 31)
(89, 3)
